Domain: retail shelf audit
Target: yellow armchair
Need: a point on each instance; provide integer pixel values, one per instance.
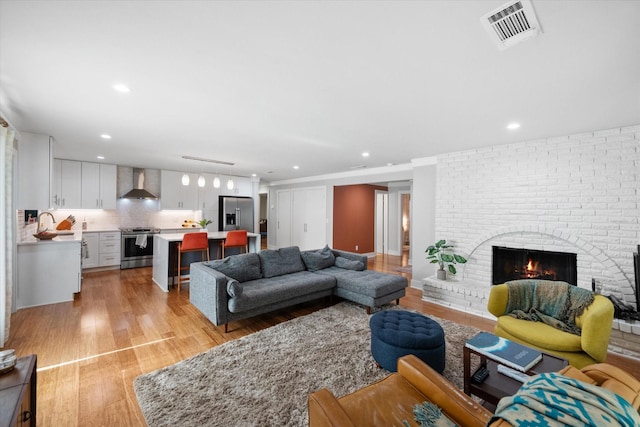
(590, 347)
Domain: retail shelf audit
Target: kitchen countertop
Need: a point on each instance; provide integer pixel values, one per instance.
(75, 237)
(177, 237)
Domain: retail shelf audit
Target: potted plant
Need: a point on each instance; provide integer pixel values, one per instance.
(204, 222)
(440, 253)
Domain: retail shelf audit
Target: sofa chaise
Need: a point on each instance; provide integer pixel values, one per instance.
(246, 285)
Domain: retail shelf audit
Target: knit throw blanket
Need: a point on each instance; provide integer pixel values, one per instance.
(556, 304)
(555, 400)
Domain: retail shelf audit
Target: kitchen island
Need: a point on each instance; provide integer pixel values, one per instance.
(165, 255)
(49, 271)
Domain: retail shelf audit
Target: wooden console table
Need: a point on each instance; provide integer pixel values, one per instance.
(18, 394)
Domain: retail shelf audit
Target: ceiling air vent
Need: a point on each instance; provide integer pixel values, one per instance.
(511, 23)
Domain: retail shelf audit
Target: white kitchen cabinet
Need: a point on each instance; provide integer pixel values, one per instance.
(34, 171)
(67, 184)
(242, 186)
(174, 195)
(92, 254)
(103, 249)
(48, 273)
(208, 195)
(110, 245)
(99, 186)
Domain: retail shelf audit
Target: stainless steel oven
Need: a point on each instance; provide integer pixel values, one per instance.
(137, 247)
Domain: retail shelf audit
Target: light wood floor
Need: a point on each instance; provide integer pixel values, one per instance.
(122, 325)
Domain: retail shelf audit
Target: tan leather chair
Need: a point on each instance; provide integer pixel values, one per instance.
(390, 401)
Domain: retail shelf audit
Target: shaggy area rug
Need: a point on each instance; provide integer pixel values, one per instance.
(264, 379)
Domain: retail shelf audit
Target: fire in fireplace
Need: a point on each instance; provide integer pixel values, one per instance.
(514, 264)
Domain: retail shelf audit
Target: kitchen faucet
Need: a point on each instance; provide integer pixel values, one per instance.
(39, 223)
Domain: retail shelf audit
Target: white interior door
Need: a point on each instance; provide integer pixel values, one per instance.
(283, 224)
(315, 235)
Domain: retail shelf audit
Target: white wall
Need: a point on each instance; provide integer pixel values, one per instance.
(423, 219)
(577, 193)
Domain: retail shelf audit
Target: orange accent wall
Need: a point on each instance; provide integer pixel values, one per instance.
(354, 217)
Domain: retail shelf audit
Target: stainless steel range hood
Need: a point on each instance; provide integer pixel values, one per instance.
(138, 191)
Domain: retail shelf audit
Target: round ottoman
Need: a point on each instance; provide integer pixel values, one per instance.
(396, 333)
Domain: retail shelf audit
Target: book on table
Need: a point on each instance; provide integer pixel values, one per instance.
(507, 352)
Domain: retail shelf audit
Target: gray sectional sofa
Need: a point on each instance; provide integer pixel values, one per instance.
(246, 285)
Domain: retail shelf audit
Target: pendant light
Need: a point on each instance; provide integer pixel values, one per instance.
(185, 179)
(230, 184)
(201, 181)
(216, 182)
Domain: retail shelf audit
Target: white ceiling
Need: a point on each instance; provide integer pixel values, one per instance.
(272, 84)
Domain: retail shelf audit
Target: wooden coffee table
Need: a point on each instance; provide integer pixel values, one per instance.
(496, 385)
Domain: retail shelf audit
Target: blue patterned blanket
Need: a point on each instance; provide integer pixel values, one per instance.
(555, 400)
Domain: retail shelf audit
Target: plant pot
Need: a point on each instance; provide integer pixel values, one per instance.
(441, 274)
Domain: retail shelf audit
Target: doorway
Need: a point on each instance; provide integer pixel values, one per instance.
(382, 222)
(405, 225)
(262, 219)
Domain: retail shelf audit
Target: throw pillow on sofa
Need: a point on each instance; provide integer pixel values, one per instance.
(234, 288)
(276, 262)
(318, 260)
(243, 267)
(349, 264)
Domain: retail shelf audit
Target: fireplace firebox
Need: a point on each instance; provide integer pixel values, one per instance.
(513, 264)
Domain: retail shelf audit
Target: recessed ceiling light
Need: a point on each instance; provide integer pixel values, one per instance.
(365, 154)
(253, 174)
(105, 136)
(513, 126)
(121, 88)
(100, 157)
(296, 167)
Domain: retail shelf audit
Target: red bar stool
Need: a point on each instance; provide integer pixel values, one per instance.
(236, 239)
(192, 242)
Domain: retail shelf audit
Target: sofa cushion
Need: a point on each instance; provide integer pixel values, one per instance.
(367, 282)
(349, 264)
(280, 261)
(262, 292)
(317, 260)
(243, 267)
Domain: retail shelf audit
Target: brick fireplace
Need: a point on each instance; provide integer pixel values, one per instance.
(577, 194)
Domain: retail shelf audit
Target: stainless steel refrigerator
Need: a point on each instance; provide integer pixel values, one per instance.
(235, 213)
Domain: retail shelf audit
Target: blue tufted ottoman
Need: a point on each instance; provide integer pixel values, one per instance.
(396, 333)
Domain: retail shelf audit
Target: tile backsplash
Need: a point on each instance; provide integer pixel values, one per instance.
(128, 213)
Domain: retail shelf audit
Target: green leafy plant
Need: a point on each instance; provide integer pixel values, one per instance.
(442, 254)
(204, 222)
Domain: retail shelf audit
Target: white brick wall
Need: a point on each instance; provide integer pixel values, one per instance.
(576, 193)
